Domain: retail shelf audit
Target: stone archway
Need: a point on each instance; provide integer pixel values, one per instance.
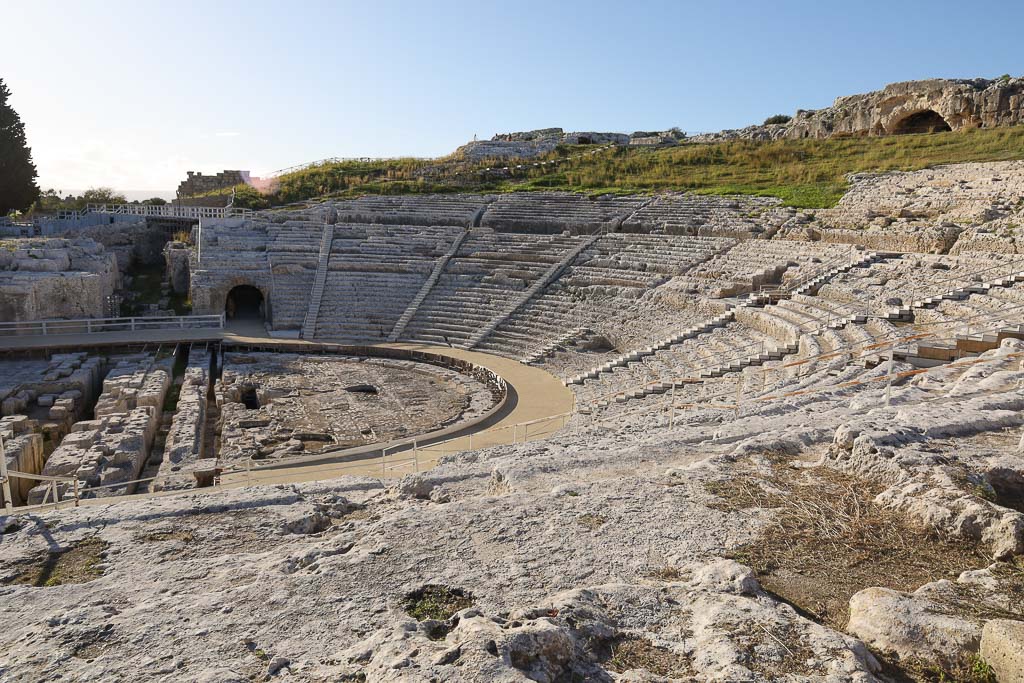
(926, 121)
(245, 302)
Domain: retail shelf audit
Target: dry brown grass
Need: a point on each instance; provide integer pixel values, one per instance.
(590, 521)
(634, 652)
(827, 540)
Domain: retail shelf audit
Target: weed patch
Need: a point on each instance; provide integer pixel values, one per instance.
(436, 602)
(77, 564)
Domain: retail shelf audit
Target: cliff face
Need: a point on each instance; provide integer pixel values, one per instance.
(916, 107)
(909, 107)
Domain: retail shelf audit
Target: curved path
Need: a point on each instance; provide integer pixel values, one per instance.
(539, 398)
(535, 397)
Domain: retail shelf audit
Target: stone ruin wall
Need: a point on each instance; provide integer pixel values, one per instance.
(42, 278)
(196, 183)
(40, 401)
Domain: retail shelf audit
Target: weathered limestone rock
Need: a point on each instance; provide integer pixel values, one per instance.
(1002, 648)
(185, 442)
(43, 278)
(533, 143)
(907, 107)
(917, 106)
(176, 260)
(114, 447)
(945, 622)
(911, 628)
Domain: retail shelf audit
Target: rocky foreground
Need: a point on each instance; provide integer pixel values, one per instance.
(587, 557)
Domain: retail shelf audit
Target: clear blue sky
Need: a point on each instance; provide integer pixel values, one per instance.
(132, 94)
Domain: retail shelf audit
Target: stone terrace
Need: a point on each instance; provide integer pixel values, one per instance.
(693, 214)
(753, 263)
(374, 273)
(292, 251)
(441, 209)
(599, 288)
(550, 212)
(55, 278)
(490, 272)
(899, 283)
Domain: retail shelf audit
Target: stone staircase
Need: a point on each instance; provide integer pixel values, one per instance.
(775, 352)
(958, 294)
(435, 274)
(633, 356)
(550, 276)
(811, 286)
(548, 349)
(316, 295)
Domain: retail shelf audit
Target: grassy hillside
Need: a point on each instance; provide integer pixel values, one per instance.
(803, 173)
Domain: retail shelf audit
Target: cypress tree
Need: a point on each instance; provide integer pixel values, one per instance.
(18, 189)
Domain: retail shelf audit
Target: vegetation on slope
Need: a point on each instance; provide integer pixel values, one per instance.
(803, 173)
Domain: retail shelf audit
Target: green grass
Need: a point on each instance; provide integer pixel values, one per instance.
(803, 173)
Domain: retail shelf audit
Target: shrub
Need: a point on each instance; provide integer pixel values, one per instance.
(778, 118)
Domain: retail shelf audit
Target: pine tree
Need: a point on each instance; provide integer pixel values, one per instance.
(18, 189)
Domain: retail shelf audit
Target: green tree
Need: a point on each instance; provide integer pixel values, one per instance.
(18, 189)
(101, 195)
(155, 201)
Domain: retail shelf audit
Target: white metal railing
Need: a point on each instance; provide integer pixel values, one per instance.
(394, 456)
(95, 325)
(164, 210)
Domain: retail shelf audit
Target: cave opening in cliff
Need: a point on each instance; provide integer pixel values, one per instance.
(927, 121)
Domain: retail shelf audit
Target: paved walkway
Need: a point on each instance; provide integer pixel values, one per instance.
(536, 396)
(539, 396)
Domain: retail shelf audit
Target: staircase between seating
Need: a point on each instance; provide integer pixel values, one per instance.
(316, 295)
(811, 283)
(435, 275)
(550, 276)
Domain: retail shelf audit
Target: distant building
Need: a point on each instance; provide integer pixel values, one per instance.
(199, 184)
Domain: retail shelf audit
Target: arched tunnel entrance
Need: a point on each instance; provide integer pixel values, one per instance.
(245, 302)
(927, 121)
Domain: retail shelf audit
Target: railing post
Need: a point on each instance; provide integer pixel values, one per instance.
(383, 455)
(44, 327)
(4, 479)
(672, 408)
(888, 383)
(132, 321)
(75, 488)
(416, 455)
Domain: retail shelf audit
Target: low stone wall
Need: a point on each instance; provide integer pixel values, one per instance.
(921, 240)
(23, 448)
(186, 438)
(176, 266)
(114, 447)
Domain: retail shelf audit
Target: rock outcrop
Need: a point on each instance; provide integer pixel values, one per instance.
(43, 278)
(927, 106)
(917, 107)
